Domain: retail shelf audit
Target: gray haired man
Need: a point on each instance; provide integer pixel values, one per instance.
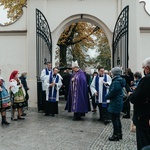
(141, 100)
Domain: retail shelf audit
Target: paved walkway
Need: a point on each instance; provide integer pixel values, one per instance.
(39, 132)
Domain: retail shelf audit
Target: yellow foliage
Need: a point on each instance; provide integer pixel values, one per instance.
(83, 36)
(14, 8)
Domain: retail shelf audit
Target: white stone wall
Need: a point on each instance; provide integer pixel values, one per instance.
(13, 54)
(13, 43)
(144, 35)
(58, 11)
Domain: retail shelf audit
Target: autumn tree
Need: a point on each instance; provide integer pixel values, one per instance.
(77, 39)
(104, 54)
(14, 8)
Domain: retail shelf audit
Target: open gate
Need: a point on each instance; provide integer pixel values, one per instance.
(43, 52)
(120, 40)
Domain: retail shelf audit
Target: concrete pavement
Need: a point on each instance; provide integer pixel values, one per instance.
(39, 132)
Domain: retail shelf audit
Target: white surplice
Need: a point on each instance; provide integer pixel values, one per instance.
(43, 77)
(57, 86)
(100, 84)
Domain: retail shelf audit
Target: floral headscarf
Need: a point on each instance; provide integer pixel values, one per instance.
(13, 74)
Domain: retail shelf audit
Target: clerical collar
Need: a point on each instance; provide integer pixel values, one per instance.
(101, 75)
(54, 75)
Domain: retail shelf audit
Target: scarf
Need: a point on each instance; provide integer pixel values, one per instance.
(53, 90)
(104, 102)
(13, 74)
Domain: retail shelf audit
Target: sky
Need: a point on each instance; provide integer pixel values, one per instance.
(3, 15)
(92, 53)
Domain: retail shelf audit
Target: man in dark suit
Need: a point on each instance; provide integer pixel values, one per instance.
(141, 100)
(66, 82)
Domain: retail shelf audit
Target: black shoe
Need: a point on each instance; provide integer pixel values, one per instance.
(106, 122)
(53, 115)
(126, 116)
(47, 114)
(23, 114)
(100, 119)
(94, 110)
(5, 122)
(120, 136)
(21, 118)
(113, 138)
(77, 119)
(14, 119)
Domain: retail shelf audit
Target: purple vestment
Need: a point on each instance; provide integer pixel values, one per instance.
(78, 98)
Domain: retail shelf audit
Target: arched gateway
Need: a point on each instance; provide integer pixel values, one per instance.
(118, 40)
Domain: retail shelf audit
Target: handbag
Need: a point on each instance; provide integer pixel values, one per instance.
(5, 105)
(125, 93)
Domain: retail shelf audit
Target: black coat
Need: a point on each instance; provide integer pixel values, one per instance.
(141, 97)
(66, 80)
(24, 83)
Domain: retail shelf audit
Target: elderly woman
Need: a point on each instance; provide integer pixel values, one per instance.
(4, 100)
(115, 95)
(17, 93)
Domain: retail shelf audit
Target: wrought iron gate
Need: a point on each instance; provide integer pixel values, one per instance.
(43, 52)
(120, 40)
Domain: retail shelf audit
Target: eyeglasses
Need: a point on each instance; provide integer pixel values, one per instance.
(143, 67)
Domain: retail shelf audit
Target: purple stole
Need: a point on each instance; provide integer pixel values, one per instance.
(104, 101)
(74, 90)
(52, 91)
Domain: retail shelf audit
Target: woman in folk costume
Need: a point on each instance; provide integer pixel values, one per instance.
(99, 88)
(4, 100)
(53, 83)
(78, 98)
(17, 94)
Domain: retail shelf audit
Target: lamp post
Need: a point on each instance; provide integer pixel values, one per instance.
(118, 61)
(45, 61)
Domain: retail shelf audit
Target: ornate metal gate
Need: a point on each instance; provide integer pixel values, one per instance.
(43, 52)
(120, 40)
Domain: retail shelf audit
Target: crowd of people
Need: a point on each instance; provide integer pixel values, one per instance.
(106, 90)
(110, 91)
(16, 97)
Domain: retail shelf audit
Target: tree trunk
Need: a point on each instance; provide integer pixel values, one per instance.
(63, 50)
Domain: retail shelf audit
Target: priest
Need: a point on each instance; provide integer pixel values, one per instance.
(78, 98)
(52, 83)
(99, 88)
